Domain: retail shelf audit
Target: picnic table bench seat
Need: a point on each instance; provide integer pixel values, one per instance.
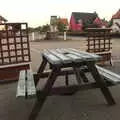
(108, 75)
(26, 87)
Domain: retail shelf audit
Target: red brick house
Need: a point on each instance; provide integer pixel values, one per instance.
(81, 20)
(63, 20)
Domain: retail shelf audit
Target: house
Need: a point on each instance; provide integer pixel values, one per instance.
(53, 23)
(81, 20)
(101, 23)
(64, 21)
(57, 24)
(116, 22)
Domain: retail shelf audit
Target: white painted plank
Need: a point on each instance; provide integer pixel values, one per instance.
(87, 56)
(51, 58)
(82, 57)
(63, 58)
(111, 76)
(74, 57)
(14, 65)
(68, 53)
(21, 84)
(31, 90)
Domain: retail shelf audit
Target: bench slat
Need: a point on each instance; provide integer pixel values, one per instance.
(31, 90)
(26, 86)
(110, 76)
(51, 58)
(21, 84)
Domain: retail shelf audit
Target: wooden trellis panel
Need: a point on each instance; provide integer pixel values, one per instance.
(14, 50)
(99, 42)
(14, 43)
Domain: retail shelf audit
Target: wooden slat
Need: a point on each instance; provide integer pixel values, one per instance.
(21, 84)
(74, 57)
(93, 56)
(84, 56)
(70, 55)
(51, 58)
(110, 76)
(31, 90)
(14, 65)
(105, 52)
(61, 56)
(99, 44)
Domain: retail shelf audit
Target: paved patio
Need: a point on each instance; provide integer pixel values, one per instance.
(84, 105)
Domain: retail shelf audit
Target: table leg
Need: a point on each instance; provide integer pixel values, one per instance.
(84, 78)
(40, 70)
(66, 80)
(107, 94)
(80, 75)
(42, 95)
(77, 74)
(42, 66)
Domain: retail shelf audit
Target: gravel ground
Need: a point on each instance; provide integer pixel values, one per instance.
(84, 105)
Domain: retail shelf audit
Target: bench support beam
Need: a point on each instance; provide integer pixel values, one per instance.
(42, 97)
(107, 94)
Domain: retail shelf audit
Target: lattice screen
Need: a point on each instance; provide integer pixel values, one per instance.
(98, 40)
(14, 43)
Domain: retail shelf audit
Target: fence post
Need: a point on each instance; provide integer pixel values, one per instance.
(33, 36)
(65, 35)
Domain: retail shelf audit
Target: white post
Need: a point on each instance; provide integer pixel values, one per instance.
(64, 35)
(33, 36)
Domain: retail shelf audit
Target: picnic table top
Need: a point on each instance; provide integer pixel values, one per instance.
(68, 55)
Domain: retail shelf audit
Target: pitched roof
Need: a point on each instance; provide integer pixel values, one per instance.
(87, 18)
(116, 15)
(100, 22)
(64, 21)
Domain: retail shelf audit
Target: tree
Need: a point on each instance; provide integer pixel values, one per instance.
(45, 28)
(110, 23)
(61, 26)
(30, 29)
(39, 28)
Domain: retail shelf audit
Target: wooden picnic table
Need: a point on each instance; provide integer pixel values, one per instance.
(66, 61)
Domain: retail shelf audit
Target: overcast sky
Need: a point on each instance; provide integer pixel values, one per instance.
(38, 12)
